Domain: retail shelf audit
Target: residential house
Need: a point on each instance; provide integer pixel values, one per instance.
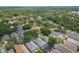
(21, 49)
(32, 46)
(74, 38)
(61, 37)
(70, 46)
(10, 51)
(63, 49)
(2, 50)
(42, 44)
(57, 34)
(21, 32)
(14, 35)
(5, 38)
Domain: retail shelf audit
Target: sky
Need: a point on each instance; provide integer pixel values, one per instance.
(39, 3)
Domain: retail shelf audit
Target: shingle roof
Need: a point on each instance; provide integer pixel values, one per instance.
(21, 32)
(2, 50)
(63, 49)
(71, 46)
(11, 51)
(41, 43)
(5, 38)
(57, 33)
(74, 35)
(31, 46)
(14, 35)
(21, 49)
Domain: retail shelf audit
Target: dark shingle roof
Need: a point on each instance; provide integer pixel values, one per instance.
(31, 46)
(41, 43)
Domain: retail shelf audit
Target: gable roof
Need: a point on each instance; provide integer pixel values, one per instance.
(31, 46)
(41, 43)
(5, 38)
(74, 35)
(14, 35)
(10, 51)
(57, 33)
(21, 49)
(20, 33)
(63, 49)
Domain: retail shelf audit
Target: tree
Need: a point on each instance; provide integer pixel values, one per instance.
(30, 35)
(52, 41)
(45, 31)
(4, 29)
(27, 38)
(11, 43)
(47, 25)
(27, 26)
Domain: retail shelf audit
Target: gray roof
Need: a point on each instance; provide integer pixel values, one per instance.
(62, 49)
(5, 38)
(41, 43)
(10, 51)
(20, 33)
(31, 46)
(2, 50)
(14, 35)
(57, 33)
(74, 35)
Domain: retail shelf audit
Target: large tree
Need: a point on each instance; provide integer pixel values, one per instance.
(52, 41)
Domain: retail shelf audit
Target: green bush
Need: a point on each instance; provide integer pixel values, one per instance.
(45, 31)
(52, 41)
(27, 26)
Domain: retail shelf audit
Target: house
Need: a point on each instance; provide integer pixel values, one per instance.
(63, 49)
(57, 34)
(21, 49)
(32, 46)
(74, 38)
(10, 51)
(5, 38)
(14, 35)
(41, 43)
(71, 46)
(21, 32)
(61, 37)
(2, 50)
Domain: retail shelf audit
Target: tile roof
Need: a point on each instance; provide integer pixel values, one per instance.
(21, 49)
